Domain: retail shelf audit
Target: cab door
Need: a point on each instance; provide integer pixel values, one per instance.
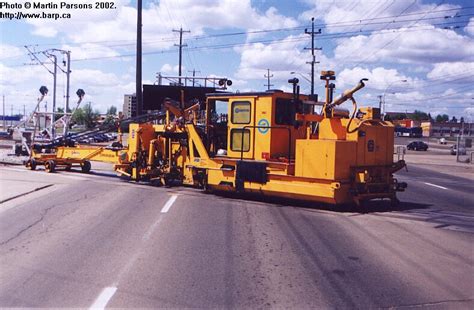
(241, 133)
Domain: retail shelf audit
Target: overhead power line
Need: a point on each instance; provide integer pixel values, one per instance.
(358, 22)
(398, 35)
(264, 41)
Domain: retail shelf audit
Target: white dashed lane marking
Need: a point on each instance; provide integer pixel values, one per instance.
(169, 203)
(104, 297)
(434, 185)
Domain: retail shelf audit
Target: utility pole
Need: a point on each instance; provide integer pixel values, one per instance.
(194, 74)
(138, 82)
(313, 59)
(68, 78)
(268, 76)
(4, 114)
(380, 102)
(180, 50)
(55, 71)
(11, 114)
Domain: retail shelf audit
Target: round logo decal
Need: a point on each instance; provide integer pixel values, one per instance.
(263, 123)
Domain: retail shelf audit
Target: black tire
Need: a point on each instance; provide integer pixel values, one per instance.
(50, 166)
(86, 166)
(31, 164)
(394, 203)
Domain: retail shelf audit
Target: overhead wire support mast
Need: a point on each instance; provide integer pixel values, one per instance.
(194, 74)
(313, 60)
(181, 31)
(55, 61)
(268, 76)
(138, 79)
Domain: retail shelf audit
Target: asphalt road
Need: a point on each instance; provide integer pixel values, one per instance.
(96, 241)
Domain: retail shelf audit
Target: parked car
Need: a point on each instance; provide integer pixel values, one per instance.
(100, 138)
(5, 135)
(417, 146)
(462, 150)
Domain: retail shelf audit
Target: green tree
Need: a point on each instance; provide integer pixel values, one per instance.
(454, 120)
(59, 114)
(112, 110)
(401, 116)
(78, 117)
(442, 118)
(420, 116)
(85, 116)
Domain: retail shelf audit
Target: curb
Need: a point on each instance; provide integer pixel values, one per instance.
(16, 163)
(24, 194)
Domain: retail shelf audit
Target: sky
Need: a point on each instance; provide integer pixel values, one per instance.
(417, 55)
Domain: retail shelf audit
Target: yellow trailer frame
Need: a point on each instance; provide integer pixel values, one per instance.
(68, 157)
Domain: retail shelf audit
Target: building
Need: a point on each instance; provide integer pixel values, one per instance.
(155, 95)
(9, 121)
(129, 106)
(406, 123)
(446, 129)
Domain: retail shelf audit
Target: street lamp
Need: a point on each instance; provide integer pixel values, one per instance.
(384, 93)
(304, 77)
(313, 97)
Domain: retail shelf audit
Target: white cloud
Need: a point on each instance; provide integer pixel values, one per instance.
(281, 57)
(118, 27)
(90, 50)
(461, 72)
(469, 29)
(20, 86)
(434, 45)
(9, 51)
(379, 78)
(342, 16)
(19, 75)
(169, 69)
(94, 78)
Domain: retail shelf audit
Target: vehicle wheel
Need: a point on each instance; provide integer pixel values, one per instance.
(86, 166)
(50, 166)
(394, 202)
(31, 164)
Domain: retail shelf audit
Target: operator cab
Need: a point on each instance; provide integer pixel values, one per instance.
(257, 126)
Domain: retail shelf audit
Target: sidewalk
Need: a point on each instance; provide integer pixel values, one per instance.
(441, 163)
(6, 157)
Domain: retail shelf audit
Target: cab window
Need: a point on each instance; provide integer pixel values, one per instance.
(240, 112)
(284, 114)
(236, 140)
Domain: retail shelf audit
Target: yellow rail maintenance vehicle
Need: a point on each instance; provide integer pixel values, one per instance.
(270, 143)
